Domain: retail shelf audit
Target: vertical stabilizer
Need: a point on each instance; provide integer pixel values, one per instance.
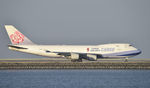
(17, 37)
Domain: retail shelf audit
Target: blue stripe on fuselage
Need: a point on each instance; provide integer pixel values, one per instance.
(125, 53)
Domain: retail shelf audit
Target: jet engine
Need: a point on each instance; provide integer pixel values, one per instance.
(75, 57)
(91, 57)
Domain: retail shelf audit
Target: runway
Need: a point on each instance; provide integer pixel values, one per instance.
(67, 60)
(62, 63)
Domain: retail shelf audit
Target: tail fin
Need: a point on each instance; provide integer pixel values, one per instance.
(17, 37)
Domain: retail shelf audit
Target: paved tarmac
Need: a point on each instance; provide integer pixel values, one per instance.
(67, 60)
(62, 63)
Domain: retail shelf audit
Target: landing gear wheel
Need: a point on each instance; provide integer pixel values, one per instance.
(78, 60)
(126, 60)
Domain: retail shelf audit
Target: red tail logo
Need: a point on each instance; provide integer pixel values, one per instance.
(17, 37)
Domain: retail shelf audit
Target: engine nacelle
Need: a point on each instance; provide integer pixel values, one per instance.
(74, 56)
(91, 57)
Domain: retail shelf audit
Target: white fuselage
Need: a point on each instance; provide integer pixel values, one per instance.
(106, 50)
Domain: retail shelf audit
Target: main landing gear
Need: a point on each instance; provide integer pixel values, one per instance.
(76, 60)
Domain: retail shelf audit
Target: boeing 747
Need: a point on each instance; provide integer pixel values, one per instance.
(73, 52)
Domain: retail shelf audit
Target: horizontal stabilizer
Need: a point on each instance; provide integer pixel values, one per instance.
(17, 47)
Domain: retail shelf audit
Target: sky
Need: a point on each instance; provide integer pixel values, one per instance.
(76, 22)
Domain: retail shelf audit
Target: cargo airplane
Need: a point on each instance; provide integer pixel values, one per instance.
(73, 52)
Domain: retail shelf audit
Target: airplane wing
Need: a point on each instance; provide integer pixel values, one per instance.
(75, 55)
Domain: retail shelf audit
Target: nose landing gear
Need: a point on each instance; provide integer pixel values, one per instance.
(126, 59)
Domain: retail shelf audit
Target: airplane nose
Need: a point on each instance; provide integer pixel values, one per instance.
(139, 51)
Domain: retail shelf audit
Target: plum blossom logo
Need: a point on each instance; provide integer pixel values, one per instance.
(88, 49)
(17, 37)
